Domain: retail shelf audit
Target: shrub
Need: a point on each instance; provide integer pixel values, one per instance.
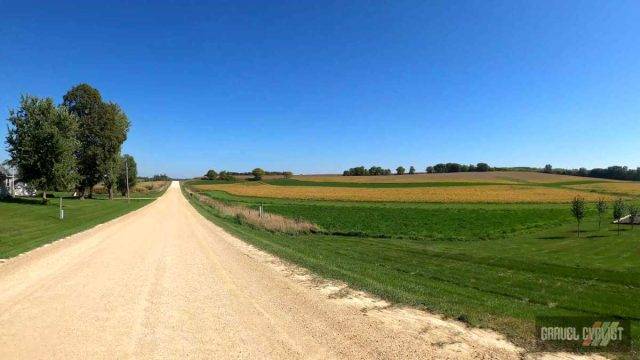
(211, 174)
(226, 176)
(257, 174)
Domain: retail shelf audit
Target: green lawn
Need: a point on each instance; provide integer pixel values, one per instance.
(26, 224)
(516, 261)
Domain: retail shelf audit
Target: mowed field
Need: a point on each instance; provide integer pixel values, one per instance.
(26, 224)
(494, 251)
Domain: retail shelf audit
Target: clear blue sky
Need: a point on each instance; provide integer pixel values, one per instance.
(315, 86)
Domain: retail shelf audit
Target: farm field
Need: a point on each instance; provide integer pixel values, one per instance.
(506, 177)
(480, 193)
(26, 224)
(495, 265)
(482, 187)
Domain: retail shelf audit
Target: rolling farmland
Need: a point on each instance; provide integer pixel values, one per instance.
(489, 187)
(494, 254)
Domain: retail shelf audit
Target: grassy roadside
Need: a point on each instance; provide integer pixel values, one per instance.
(26, 224)
(501, 283)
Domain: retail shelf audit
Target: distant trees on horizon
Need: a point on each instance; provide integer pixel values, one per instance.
(615, 172)
(362, 171)
(257, 174)
(455, 167)
(400, 170)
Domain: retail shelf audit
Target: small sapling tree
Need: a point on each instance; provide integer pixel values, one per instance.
(577, 209)
(601, 206)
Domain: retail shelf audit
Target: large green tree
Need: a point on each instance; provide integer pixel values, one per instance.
(102, 129)
(86, 103)
(127, 168)
(42, 143)
(113, 128)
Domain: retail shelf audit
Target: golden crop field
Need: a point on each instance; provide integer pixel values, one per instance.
(458, 194)
(505, 177)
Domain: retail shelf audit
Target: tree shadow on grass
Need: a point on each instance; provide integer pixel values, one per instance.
(596, 236)
(553, 237)
(622, 229)
(22, 200)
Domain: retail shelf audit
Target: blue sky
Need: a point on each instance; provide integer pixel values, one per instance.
(317, 87)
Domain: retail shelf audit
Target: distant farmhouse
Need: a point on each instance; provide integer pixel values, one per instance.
(10, 186)
(6, 182)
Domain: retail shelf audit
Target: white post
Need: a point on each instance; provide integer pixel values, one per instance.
(61, 210)
(260, 210)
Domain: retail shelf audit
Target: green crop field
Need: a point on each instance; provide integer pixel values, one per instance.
(491, 265)
(26, 224)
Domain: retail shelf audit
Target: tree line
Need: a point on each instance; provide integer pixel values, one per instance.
(400, 170)
(455, 167)
(257, 174)
(156, 177)
(73, 145)
(612, 172)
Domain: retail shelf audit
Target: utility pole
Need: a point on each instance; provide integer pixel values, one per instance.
(126, 171)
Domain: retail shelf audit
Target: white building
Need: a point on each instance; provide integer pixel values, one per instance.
(7, 182)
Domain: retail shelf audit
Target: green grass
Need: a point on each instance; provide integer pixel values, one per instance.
(424, 221)
(530, 262)
(26, 224)
(210, 182)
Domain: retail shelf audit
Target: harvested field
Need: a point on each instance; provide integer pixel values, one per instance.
(505, 177)
(458, 194)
